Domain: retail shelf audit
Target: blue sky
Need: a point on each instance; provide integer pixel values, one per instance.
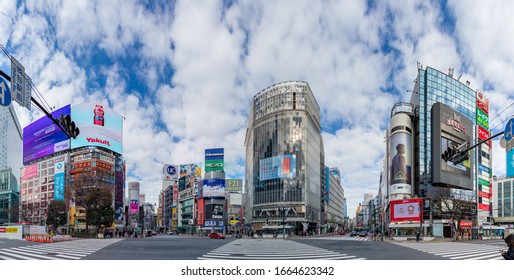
(183, 73)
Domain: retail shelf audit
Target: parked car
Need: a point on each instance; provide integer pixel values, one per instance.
(342, 232)
(363, 233)
(353, 233)
(216, 235)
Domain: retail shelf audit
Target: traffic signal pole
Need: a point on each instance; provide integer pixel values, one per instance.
(3, 74)
(460, 155)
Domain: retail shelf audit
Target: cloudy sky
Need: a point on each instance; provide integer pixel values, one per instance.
(182, 73)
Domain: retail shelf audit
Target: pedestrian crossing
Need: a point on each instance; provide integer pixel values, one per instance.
(458, 250)
(345, 238)
(68, 250)
(273, 249)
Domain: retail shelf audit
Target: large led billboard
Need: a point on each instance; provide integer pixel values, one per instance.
(406, 210)
(450, 129)
(510, 163)
(99, 126)
(214, 211)
(213, 188)
(43, 137)
(400, 154)
(283, 166)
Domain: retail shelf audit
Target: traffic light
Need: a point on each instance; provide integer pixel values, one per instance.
(462, 156)
(449, 154)
(73, 130)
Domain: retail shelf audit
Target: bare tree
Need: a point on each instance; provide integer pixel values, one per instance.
(57, 215)
(455, 205)
(95, 195)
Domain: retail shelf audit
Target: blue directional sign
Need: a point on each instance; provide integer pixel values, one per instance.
(5, 93)
(509, 130)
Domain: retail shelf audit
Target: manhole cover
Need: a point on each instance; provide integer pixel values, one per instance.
(237, 244)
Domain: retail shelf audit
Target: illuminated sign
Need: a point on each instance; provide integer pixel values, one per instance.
(99, 126)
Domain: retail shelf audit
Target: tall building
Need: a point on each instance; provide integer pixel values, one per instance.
(284, 166)
(443, 115)
(10, 164)
(335, 201)
(53, 163)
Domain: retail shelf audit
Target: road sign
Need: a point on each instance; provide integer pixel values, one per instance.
(20, 84)
(5, 93)
(509, 130)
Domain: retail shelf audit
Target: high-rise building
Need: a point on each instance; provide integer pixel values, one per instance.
(55, 164)
(443, 115)
(10, 164)
(335, 201)
(284, 166)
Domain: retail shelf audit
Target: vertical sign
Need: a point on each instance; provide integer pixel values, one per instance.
(59, 181)
(118, 189)
(20, 84)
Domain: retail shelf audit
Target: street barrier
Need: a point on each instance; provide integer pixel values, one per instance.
(47, 238)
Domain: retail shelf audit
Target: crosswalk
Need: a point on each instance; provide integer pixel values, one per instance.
(68, 250)
(458, 250)
(273, 249)
(345, 238)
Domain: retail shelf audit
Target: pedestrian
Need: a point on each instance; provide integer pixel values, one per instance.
(509, 254)
(417, 237)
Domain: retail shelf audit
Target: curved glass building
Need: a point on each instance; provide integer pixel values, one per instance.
(284, 160)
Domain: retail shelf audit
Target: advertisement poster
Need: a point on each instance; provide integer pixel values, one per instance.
(213, 188)
(277, 167)
(214, 211)
(406, 210)
(170, 172)
(400, 163)
(133, 206)
(59, 181)
(30, 171)
(99, 126)
(43, 137)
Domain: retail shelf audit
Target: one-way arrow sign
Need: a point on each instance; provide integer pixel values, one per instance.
(5, 93)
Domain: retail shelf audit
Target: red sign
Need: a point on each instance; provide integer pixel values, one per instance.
(483, 194)
(483, 134)
(2, 229)
(484, 207)
(483, 102)
(406, 210)
(466, 224)
(286, 165)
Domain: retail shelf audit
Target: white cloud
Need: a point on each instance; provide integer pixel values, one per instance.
(358, 60)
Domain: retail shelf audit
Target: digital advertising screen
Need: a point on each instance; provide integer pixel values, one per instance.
(283, 166)
(406, 210)
(213, 188)
(99, 126)
(133, 206)
(43, 137)
(400, 148)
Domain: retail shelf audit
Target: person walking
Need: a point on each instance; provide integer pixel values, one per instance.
(509, 254)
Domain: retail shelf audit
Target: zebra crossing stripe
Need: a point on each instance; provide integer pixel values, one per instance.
(458, 251)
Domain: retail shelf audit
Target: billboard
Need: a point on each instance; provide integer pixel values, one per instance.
(30, 171)
(59, 180)
(234, 185)
(214, 212)
(42, 137)
(118, 189)
(170, 172)
(99, 126)
(406, 210)
(133, 206)
(482, 102)
(283, 166)
(214, 159)
(213, 188)
(482, 118)
(400, 162)
(449, 130)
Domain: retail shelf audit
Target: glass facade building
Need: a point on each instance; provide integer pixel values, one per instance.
(433, 86)
(284, 154)
(10, 164)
